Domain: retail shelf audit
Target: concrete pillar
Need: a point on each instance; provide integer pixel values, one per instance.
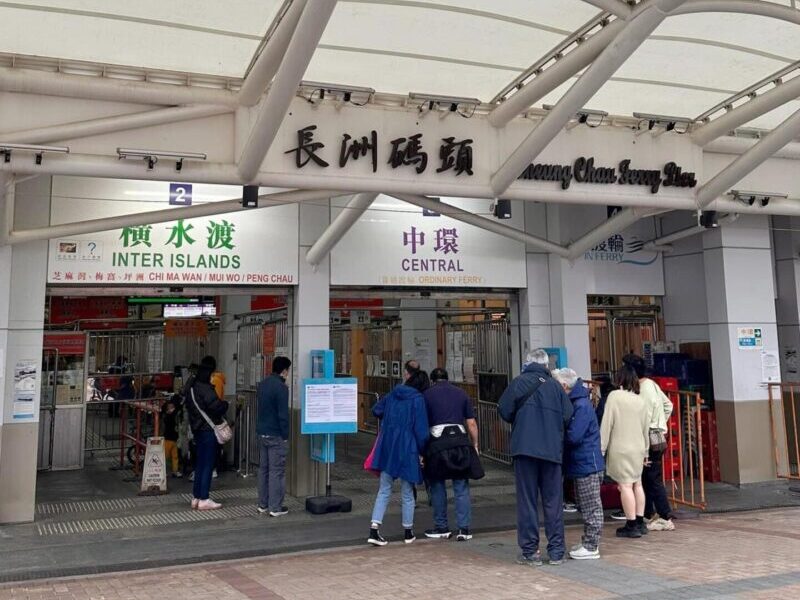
(23, 272)
(739, 292)
(310, 322)
(419, 332)
(684, 303)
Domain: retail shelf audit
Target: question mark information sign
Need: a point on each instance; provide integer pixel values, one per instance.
(91, 250)
(180, 194)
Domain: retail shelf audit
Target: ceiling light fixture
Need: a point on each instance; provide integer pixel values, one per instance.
(152, 156)
(38, 151)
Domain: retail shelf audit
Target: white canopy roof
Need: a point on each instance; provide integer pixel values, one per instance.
(471, 48)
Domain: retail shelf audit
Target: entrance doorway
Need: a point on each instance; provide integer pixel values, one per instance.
(619, 325)
(470, 338)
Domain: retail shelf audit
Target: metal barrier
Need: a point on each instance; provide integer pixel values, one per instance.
(784, 413)
(369, 424)
(145, 424)
(683, 471)
(494, 434)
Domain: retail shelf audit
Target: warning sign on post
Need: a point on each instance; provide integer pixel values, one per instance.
(154, 472)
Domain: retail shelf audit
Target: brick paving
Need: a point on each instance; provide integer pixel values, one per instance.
(738, 555)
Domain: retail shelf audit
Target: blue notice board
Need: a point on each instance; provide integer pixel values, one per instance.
(329, 405)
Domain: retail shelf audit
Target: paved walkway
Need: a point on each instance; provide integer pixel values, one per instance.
(743, 555)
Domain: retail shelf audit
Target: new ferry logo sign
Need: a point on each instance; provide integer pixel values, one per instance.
(621, 251)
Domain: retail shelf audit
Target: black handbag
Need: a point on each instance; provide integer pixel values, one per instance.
(658, 441)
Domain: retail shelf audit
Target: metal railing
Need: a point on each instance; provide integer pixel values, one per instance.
(368, 423)
(683, 470)
(494, 434)
(784, 413)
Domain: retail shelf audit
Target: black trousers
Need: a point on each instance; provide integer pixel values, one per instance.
(535, 477)
(655, 495)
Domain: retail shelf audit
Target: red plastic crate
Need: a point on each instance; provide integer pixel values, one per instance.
(667, 384)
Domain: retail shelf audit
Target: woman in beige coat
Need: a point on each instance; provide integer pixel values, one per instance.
(624, 441)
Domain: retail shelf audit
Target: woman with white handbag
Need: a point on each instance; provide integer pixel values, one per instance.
(209, 429)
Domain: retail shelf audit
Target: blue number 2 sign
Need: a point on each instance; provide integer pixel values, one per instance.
(180, 194)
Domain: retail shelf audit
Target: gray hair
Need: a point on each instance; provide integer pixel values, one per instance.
(566, 377)
(538, 356)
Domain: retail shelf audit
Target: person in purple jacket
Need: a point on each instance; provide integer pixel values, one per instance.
(583, 462)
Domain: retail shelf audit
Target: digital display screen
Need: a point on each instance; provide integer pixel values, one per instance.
(205, 309)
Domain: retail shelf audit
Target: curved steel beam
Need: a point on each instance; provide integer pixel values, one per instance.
(636, 31)
(270, 56)
(744, 164)
(276, 103)
(350, 214)
(616, 7)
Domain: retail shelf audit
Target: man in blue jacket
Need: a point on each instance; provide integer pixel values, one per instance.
(584, 462)
(538, 410)
(272, 429)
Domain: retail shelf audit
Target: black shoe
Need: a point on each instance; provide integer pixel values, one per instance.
(629, 532)
(618, 516)
(642, 527)
(279, 513)
(464, 534)
(439, 533)
(375, 538)
(409, 536)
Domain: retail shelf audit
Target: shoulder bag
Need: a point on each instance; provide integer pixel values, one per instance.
(658, 441)
(223, 431)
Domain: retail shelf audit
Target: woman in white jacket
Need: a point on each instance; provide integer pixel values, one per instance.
(657, 511)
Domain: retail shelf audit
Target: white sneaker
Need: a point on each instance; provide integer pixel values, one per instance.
(660, 524)
(582, 553)
(191, 477)
(570, 507)
(214, 474)
(208, 505)
(195, 502)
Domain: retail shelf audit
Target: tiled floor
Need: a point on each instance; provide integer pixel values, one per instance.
(744, 555)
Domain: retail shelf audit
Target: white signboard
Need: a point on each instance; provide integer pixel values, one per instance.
(26, 373)
(154, 471)
(331, 403)
(395, 244)
(619, 265)
(770, 366)
(227, 249)
(749, 338)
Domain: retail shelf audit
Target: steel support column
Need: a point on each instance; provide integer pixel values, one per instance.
(744, 164)
(465, 216)
(276, 103)
(552, 77)
(80, 129)
(268, 61)
(640, 25)
(163, 216)
(351, 213)
(752, 109)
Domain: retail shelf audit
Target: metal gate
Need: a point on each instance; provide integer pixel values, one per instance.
(134, 358)
(611, 337)
(478, 359)
(47, 408)
(260, 338)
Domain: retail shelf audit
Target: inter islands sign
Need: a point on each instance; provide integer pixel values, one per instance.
(241, 248)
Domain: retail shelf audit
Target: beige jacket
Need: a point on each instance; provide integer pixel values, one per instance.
(659, 406)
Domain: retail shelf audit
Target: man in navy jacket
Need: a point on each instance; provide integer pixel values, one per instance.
(584, 462)
(272, 428)
(538, 410)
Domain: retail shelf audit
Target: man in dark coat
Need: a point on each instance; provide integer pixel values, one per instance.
(449, 406)
(538, 410)
(272, 428)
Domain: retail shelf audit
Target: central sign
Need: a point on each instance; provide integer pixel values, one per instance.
(395, 245)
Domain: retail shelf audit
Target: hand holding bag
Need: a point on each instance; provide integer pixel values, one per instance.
(223, 431)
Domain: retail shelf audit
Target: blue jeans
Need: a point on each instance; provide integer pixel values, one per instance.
(385, 494)
(438, 491)
(206, 451)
